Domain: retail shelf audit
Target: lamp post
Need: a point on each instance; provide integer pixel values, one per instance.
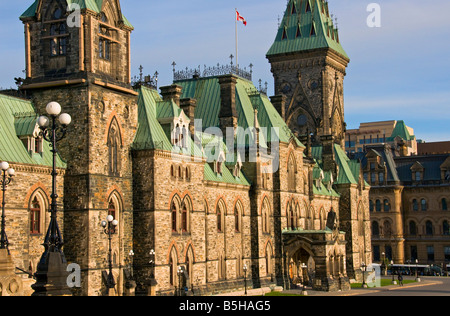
(109, 228)
(51, 271)
(417, 271)
(363, 269)
(393, 272)
(180, 274)
(7, 177)
(152, 263)
(245, 279)
(304, 268)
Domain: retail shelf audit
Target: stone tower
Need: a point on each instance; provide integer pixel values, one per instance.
(309, 65)
(79, 56)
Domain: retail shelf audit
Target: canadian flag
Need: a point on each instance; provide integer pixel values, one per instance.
(240, 18)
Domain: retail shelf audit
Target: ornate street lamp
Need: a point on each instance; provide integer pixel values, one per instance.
(7, 177)
(109, 228)
(363, 269)
(152, 263)
(51, 271)
(180, 274)
(245, 279)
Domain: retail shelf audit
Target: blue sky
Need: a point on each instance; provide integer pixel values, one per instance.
(399, 71)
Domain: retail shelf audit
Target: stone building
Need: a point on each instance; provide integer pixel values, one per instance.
(408, 205)
(210, 173)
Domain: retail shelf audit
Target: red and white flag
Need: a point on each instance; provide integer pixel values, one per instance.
(240, 18)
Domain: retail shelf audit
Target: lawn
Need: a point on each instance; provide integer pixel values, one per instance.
(384, 282)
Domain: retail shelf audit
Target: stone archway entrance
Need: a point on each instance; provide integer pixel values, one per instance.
(316, 259)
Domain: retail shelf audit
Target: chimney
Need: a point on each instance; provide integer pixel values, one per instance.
(228, 115)
(328, 156)
(188, 106)
(279, 102)
(172, 92)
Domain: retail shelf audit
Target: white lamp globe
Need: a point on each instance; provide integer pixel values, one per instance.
(53, 108)
(104, 223)
(4, 165)
(115, 222)
(11, 172)
(43, 121)
(65, 119)
(110, 218)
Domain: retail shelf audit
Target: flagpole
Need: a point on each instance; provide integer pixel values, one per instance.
(235, 22)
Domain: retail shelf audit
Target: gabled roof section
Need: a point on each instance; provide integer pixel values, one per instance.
(313, 19)
(151, 134)
(18, 118)
(401, 131)
(207, 93)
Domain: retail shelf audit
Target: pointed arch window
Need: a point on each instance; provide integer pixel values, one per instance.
(114, 144)
(219, 219)
(375, 229)
(35, 216)
(174, 215)
(237, 219)
(291, 173)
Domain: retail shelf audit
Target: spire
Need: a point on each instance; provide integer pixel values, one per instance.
(306, 25)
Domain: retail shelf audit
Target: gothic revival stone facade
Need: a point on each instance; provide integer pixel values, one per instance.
(279, 197)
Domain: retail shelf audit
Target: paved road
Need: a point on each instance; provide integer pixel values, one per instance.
(430, 286)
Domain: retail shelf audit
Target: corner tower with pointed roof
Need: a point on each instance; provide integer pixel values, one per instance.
(79, 56)
(309, 65)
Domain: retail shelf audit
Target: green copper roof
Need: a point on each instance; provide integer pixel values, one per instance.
(207, 93)
(92, 5)
(151, 134)
(306, 25)
(401, 131)
(19, 119)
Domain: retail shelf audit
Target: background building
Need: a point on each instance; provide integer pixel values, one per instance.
(409, 210)
(389, 132)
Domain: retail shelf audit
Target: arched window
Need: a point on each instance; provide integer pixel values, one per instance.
(291, 173)
(184, 218)
(371, 206)
(238, 212)
(114, 144)
(378, 205)
(423, 205)
(190, 262)
(174, 213)
(412, 228)
(387, 205)
(375, 229)
(387, 229)
(35, 216)
(220, 213)
(173, 266)
(445, 228)
(429, 228)
(415, 205)
(444, 204)
(112, 209)
(265, 214)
